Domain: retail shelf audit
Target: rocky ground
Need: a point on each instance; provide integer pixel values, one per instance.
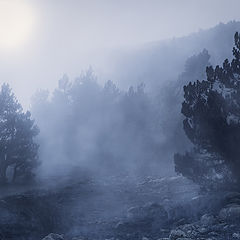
(123, 209)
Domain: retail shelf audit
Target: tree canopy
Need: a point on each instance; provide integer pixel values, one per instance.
(98, 126)
(212, 123)
(18, 151)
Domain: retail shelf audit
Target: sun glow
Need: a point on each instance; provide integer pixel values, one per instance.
(16, 23)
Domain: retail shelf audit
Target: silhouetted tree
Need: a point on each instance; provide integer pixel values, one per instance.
(172, 95)
(212, 123)
(98, 127)
(18, 151)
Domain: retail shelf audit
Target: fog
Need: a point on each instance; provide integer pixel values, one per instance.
(68, 37)
(129, 43)
(130, 126)
(109, 149)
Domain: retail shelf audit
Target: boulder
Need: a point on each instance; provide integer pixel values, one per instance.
(230, 213)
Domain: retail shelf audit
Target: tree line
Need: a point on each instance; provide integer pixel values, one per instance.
(101, 127)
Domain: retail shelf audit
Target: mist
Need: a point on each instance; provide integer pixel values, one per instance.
(131, 126)
(69, 37)
(119, 120)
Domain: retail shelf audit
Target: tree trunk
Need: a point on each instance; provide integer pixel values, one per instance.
(3, 171)
(14, 173)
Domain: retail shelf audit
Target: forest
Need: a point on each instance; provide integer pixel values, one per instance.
(151, 154)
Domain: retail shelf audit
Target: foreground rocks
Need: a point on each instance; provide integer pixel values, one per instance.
(154, 209)
(223, 225)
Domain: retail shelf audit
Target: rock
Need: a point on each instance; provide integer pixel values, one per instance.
(232, 195)
(54, 236)
(203, 230)
(230, 213)
(236, 235)
(184, 239)
(150, 210)
(180, 222)
(188, 228)
(176, 234)
(133, 212)
(213, 234)
(235, 200)
(207, 219)
(148, 218)
(123, 226)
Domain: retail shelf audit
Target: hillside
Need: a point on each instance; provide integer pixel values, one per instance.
(157, 62)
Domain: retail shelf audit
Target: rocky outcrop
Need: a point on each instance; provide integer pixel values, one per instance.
(225, 225)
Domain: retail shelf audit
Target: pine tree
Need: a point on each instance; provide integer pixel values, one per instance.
(18, 151)
(212, 123)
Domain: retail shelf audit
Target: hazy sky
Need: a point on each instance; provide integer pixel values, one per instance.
(48, 38)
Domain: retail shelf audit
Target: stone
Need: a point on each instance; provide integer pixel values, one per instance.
(176, 234)
(54, 236)
(184, 239)
(149, 210)
(207, 219)
(203, 230)
(230, 213)
(232, 195)
(236, 235)
(235, 200)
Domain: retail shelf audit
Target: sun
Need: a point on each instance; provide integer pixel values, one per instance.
(16, 23)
